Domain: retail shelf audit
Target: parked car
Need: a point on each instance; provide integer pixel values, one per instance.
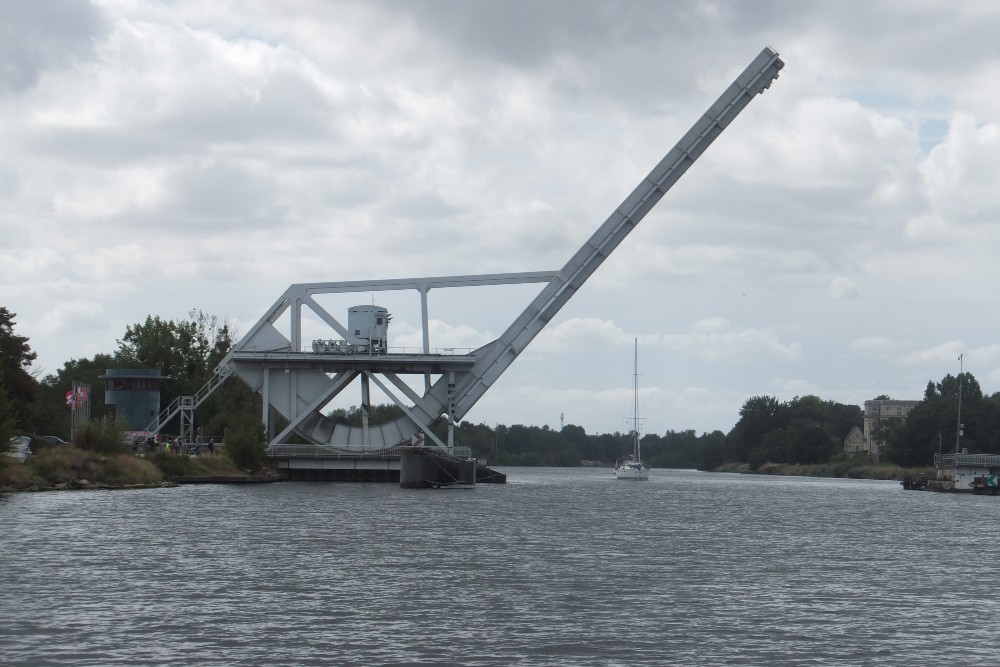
(20, 448)
(53, 440)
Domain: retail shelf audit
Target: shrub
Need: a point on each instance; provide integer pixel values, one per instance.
(215, 465)
(172, 465)
(104, 436)
(245, 446)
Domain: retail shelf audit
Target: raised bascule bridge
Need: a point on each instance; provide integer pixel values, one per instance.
(298, 380)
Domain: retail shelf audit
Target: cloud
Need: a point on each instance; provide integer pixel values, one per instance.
(68, 318)
(167, 156)
(843, 288)
(715, 339)
(42, 35)
(961, 173)
(872, 344)
(941, 354)
(443, 336)
(580, 334)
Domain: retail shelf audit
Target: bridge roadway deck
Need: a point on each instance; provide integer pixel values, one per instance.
(335, 363)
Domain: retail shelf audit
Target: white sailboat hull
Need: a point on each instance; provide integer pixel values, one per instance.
(633, 472)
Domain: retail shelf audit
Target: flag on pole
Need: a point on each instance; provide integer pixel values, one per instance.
(78, 396)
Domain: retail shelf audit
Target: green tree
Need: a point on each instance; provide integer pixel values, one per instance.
(949, 387)
(711, 452)
(8, 423)
(812, 444)
(101, 435)
(232, 403)
(246, 446)
(52, 415)
(758, 416)
(915, 440)
(932, 425)
(16, 357)
(186, 351)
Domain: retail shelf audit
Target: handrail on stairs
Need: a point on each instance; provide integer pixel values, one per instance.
(189, 402)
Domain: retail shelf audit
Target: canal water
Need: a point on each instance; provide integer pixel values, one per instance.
(561, 566)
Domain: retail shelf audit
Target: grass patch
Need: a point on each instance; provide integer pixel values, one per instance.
(216, 465)
(172, 466)
(18, 477)
(198, 466)
(127, 470)
(68, 467)
(63, 465)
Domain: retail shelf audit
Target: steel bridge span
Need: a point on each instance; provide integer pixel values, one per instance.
(297, 382)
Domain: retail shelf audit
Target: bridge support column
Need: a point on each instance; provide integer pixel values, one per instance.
(451, 412)
(265, 392)
(365, 402)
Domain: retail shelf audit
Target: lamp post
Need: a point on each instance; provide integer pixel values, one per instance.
(958, 429)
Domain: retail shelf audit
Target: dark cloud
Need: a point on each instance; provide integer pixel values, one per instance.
(39, 35)
(220, 197)
(623, 50)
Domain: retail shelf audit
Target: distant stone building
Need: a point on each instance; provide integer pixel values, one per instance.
(877, 412)
(855, 441)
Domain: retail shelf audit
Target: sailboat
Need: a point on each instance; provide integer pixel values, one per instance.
(632, 467)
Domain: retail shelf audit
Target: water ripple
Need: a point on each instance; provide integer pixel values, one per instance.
(559, 567)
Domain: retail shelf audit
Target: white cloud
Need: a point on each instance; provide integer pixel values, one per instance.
(941, 354)
(443, 336)
(161, 157)
(963, 173)
(842, 287)
(872, 344)
(715, 339)
(70, 318)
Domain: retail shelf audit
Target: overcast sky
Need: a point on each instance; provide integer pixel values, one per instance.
(841, 238)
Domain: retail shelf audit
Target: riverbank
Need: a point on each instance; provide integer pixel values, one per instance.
(67, 468)
(844, 469)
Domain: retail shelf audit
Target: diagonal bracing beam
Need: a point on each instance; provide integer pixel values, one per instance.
(498, 357)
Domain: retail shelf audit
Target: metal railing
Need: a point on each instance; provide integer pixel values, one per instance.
(332, 452)
(325, 451)
(985, 460)
(189, 402)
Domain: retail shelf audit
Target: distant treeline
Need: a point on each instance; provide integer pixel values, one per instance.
(804, 430)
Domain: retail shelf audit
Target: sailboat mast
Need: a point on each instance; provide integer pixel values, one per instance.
(635, 398)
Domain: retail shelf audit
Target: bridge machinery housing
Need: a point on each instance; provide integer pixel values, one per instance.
(297, 381)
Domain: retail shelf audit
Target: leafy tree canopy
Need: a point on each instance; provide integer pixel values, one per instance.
(187, 350)
(16, 358)
(8, 425)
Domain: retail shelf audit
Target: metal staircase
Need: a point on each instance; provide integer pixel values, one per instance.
(186, 405)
